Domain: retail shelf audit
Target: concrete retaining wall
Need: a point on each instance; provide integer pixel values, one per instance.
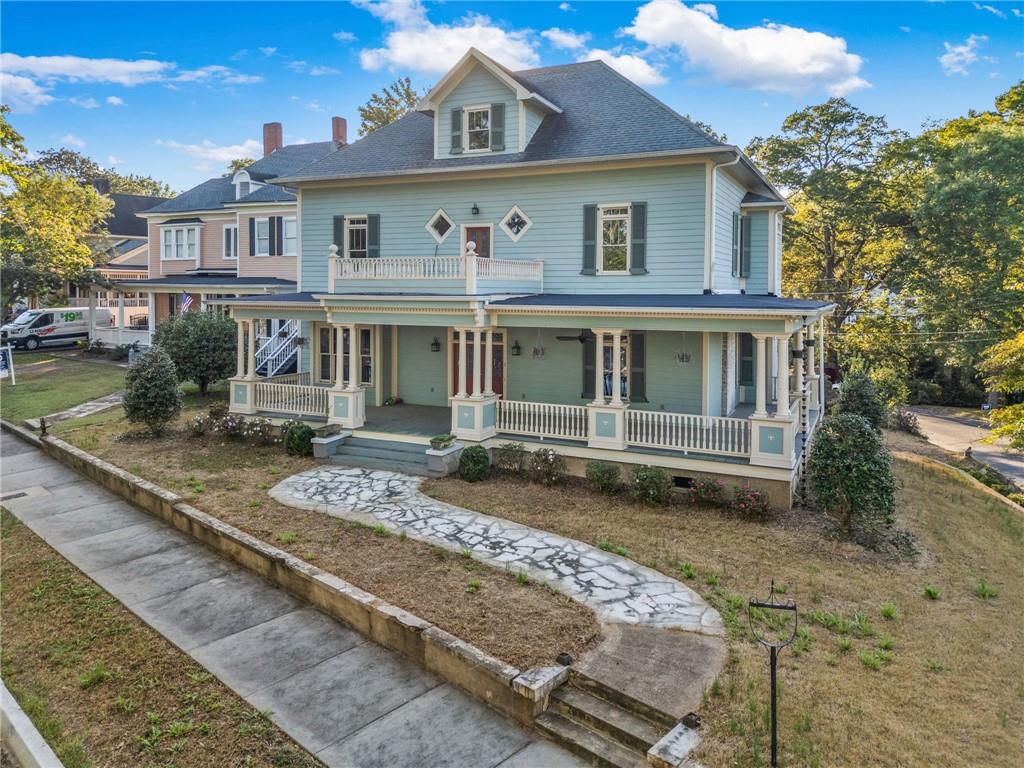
(20, 737)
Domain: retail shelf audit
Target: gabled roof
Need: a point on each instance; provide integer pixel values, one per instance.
(289, 158)
(122, 219)
(210, 195)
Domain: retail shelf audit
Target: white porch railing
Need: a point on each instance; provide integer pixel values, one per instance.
(542, 419)
(298, 399)
(681, 431)
(110, 336)
(275, 351)
(109, 303)
(509, 269)
(437, 268)
(304, 378)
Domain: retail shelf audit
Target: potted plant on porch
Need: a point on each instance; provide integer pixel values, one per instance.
(440, 442)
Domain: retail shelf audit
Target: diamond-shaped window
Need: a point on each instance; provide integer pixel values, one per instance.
(516, 223)
(440, 225)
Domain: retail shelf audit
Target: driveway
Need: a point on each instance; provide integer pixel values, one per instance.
(956, 433)
(345, 699)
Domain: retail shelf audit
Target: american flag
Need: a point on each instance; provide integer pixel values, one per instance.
(186, 301)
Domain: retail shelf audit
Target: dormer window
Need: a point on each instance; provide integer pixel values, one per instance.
(243, 188)
(244, 185)
(478, 129)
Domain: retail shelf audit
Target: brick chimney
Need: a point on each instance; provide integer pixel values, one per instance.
(339, 130)
(272, 137)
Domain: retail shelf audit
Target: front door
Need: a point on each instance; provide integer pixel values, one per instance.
(498, 359)
(482, 237)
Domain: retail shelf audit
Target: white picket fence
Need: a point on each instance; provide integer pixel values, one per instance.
(518, 417)
(681, 431)
(298, 399)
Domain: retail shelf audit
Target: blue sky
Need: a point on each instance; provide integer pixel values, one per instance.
(174, 90)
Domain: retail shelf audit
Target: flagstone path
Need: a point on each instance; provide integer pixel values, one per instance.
(617, 589)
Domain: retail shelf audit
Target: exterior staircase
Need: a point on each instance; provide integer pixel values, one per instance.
(604, 726)
(279, 354)
(391, 455)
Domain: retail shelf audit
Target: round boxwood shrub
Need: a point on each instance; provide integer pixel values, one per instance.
(858, 395)
(547, 467)
(201, 344)
(298, 439)
(474, 464)
(850, 474)
(651, 485)
(151, 395)
(604, 477)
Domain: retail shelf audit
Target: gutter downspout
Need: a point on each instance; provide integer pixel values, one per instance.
(712, 200)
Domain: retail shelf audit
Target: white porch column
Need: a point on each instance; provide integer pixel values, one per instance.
(599, 367)
(202, 302)
(353, 358)
(460, 388)
(616, 367)
(339, 357)
(239, 351)
(773, 345)
(120, 317)
(251, 373)
(812, 368)
(798, 362)
(476, 363)
(782, 385)
(821, 363)
(489, 365)
(760, 408)
(151, 300)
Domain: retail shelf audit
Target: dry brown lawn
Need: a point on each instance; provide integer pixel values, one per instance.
(526, 625)
(949, 685)
(104, 688)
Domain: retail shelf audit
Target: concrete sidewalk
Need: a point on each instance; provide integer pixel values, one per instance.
(342, 697)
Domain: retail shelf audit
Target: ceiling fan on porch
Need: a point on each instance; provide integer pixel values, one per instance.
(581, 338)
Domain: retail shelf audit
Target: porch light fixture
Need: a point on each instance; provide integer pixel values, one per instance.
(300, 341)
(435, 345)
(516, 350)
(682, 357)
(798, 354)
(475, 210)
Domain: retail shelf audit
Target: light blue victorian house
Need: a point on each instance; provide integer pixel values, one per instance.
(551, 256)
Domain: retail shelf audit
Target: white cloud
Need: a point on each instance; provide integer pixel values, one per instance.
(906, 30)
(771, 57)
(320, 71)
(1017, 12)
(566, 38)
(957, 58)
(707, 9)
(210, 152)
(75, 141)
(637, 69)
(216, 74)
(418, 44)
(344, 37)
(268, 50)
(114, 160)
(22, 93)
(990, 9)
(312, 104)
(115, 101)
(565, 7)
(87, 102)
(297, 66)
(77, 69)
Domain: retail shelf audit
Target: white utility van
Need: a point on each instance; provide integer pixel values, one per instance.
(35, 328)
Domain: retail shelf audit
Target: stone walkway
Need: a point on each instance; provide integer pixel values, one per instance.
(345, 699)
(83, 409)
(617, 589)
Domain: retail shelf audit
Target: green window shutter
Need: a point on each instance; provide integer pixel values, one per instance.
(456, 148)
(272, 244)
(497, 127)
(746, 360)
(735, 244)
(745, 245)
(589, 361)
(589, 240)
(339, 234)
(373, 236)
(637, 369)
(638, 240)
(252, 237)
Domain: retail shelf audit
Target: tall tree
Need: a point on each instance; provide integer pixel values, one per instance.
(238, 164)
(74, 165)
(840, 245)
(387, 105)
(1004, 369)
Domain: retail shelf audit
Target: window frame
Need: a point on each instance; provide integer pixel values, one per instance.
(233, 229)
(367, 354)
(285, 220)
(256, 236)
(365, 226)
(169, 242)
(627, 217)
(429, 226)
(465, 128)
(515, 209)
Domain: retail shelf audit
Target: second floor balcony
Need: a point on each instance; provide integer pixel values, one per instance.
(469, 274)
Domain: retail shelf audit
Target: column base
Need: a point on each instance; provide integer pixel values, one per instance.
(813, 393)
(474, 418)
(606, 425)
(243, 395)
(773, 441)
(346, 407)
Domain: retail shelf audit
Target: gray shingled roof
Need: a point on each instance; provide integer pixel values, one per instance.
(289, 159)
(719, 301)
(752, 197)
(271, 193)
(122, 219)
(227, 279)
(595, 102)
(208, 196)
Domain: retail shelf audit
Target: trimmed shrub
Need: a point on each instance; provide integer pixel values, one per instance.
(750, 503)
(510, 457)
(298, 439)
(151, 393)
(199, 425)
(890, 386)
(201, 344)
(230, 426)
(707, 493)
(217, 410)
(474, 464)
(260, 432)
(857, 395)
(123, 351)
(547, 467)
(651, 485)
(850, 474)
(604, 477)
(902, 420)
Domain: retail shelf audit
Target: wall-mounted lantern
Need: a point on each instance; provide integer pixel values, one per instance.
(435, 345)
(516, 350)
(300, 341)
(682, 357)
(475, 209)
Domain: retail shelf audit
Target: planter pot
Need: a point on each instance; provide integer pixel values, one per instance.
(440, 445)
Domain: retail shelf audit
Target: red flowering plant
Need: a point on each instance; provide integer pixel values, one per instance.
(751, 503)
(707, 493)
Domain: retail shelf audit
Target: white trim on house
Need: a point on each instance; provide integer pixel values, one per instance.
(429, 226)
(224, 248)
(298, 230)
(365, 226)
(600, 244)
(284, 236)
(515, 238)
(256, 235)
(476, 225)
(465, 128)
(171, 245)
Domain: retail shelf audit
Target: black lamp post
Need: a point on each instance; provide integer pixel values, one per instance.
(773, 646)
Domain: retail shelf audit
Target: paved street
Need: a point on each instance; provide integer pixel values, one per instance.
(342, 697)
(955, 433)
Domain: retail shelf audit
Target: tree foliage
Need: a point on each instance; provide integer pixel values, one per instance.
(74, 165)
(151, 395)
(858, 395)
(201, 344)
(387, 105)
(239, 164)
(1004, 372)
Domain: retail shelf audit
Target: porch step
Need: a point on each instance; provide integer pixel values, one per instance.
(391, 455)
(404, 467)
(627, 728)
(587, 743)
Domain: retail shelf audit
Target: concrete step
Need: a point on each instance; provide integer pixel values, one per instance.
(607, 718)
(661, 719)
(587, 743)
(405, 467)
(382, 452)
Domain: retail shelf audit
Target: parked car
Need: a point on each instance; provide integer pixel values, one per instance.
(52, 327)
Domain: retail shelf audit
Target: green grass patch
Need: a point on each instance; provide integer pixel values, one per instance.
(48, 383)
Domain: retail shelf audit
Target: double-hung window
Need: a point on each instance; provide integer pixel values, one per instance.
(613, 234)
(290, 237)
(355, 237)
(262, 237)
(179, 243)
(478, 129)
(230, 241)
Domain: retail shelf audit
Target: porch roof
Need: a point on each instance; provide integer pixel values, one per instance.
(216, 280)
(717, 303)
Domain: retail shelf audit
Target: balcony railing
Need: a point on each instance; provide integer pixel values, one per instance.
(470, 269)
(110, 303)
